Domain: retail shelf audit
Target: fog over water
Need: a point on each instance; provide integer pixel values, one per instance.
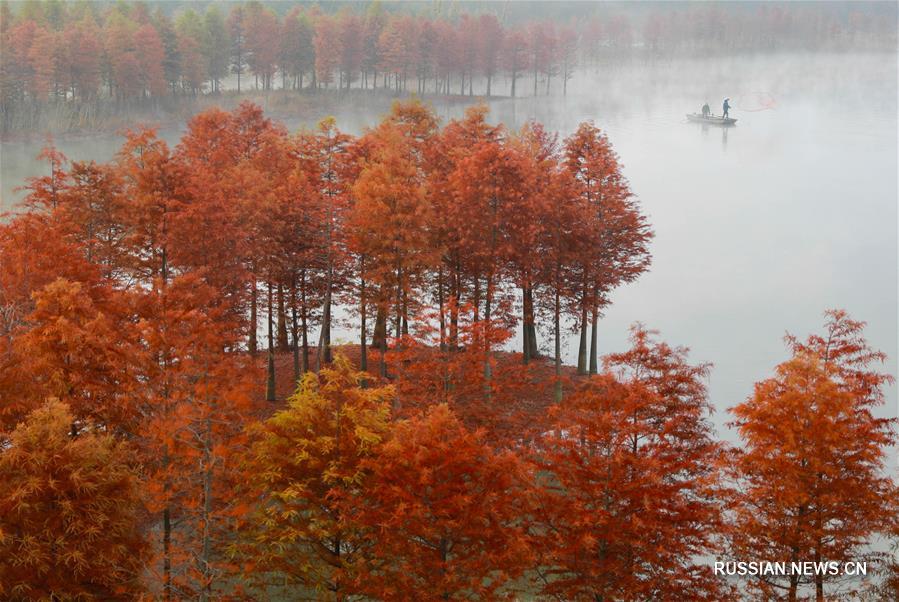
(759, 227)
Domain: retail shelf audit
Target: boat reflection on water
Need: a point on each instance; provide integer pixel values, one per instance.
(706, 128)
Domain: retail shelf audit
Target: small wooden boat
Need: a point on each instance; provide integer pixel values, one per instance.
(698, 118)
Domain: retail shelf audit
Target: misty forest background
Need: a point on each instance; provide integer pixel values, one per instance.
(92, 65)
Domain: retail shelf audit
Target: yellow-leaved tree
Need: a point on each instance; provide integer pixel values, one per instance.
(305, 462)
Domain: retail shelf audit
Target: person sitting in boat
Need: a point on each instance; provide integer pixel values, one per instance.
(725, 108)
(706, 111)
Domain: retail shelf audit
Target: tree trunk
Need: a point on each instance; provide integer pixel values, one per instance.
(456, 281)
(270, 381)
(405, 312)
(283, 344)
(253, 345)
(294, 333)
(488, 345)
(304, 324)
(363, 350)
(441, 308)
(557, 310)
(477, 299)
(398, 325)
(167, 550)
(582, 347)
(529, 329)
(594, 363)
(206, 558)
(324, 337)
(819, 578)
(382, 340)
(794, 578)
(525, 332)
(380, 332)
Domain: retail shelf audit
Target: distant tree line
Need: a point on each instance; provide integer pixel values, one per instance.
(77, 53)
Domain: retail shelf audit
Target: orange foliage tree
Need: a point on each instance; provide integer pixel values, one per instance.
(70, 512)
(611, 246)
(442, 514)
(627, 500)
(390, 218)
(74, 352)
(810, 475)
(194, 407)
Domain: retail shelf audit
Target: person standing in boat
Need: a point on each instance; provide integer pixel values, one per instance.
(725, 108)
(706, 111)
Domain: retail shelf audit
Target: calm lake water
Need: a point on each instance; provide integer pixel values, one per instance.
(759, 227)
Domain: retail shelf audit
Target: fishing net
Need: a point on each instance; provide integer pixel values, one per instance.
(754, 102)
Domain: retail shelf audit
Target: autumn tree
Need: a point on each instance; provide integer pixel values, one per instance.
(456, 140)
(190, 38)
(70, 512)
(92, 211)
(325, 155)
(15, 68)
(46, 58)
(327, 48)
(237, 30)
(490, 34)
(171, 61)
(83, 44)
(567, 50)
(392, 211)
(375, 19)
(612, 244)
(395, 48)
(297, 52)
(306, 462)
(514, 55)
(350, 27)
(459, 535)
(121, 64)
(492, 189)
(628, 497)
(529, 226)
(216, 46)
(809, 475)
(467, 52)
(199, 395)
(261, 46)
(37, 247)
(73, 352)
(448, 58)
